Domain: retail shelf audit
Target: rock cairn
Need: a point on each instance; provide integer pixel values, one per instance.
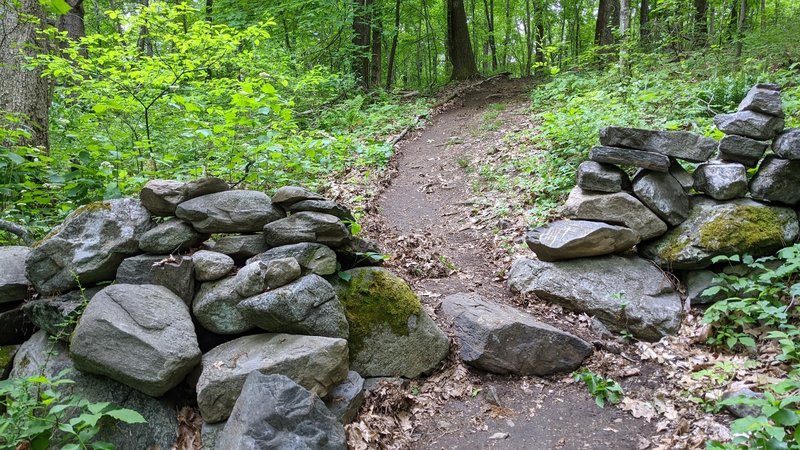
(677, 219)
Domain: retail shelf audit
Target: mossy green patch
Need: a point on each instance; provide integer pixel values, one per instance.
(672, 246)
(746, 228)
(374, 298)
(6, 354)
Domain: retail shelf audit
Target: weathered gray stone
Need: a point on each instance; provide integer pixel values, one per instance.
(390, 333)
(322, 206)
(13, 284)
(697, 281)
(287, 195)
(215, 307)
(89, 245)
(240, 247)
(787, 144)
(595, 176)
(680, 174)
(770, 86)
(741, 149)
(161, 197)
(346, 398)
(759, 99)
(663, 194)
(723, 228)
(313, 258)
(678, 144)
(721, 181)
(568, 239)
(210, 266)
(625, 293)
(204, 186)
(274, 412)
(316, 363)
(630, 157)
(229, 212)
(750, 124)
(307, 306)
(170, 237)
(174, 273)
(742, 410)
(307, 227)
(619, 208)
(251, 280)
(58, 315)
(777, 180)
(40, 355)
(210, 434)
(282, 271)
(141, 336)
(15, 327)
(499, 339)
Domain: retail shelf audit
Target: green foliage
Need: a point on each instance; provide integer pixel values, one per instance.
(602, 389)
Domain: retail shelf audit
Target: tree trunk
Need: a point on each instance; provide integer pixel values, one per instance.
(375, 69)
(529, 44)
(393, 48)
(539, 32)
(701, 22)
(72, 23)
(644, 21)
(210, 10)
(741, 26)
(624, 24)
(488, 7)
(607, 18)
(458, 45)
(361, 31)
(23, 91)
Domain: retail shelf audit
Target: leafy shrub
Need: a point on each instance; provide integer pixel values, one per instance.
(602, 389)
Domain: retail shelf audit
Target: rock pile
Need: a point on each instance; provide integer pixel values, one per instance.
(211, 285)
(680, 221)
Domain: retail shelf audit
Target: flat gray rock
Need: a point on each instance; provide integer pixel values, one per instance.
(500, 339)
(89, 245)
(229, 212)
(620, 209)
(680, 174)
(287, 195)
(204, 186)
(677, 144)
(174, 273)
(210, 266)
(777, 180)
(568, 239)
(161, 197)
(762, 100)
(141, 336)
(346, 398)
(58, 315)
(274, 412)
(307, 226)
(322, 206)
(787, 144)
(240, 247)
(599, 177)
(312, 257)
(663, 194)
(624, 293)
(729, 228)
(13, 284)
(215, 307)
(172, 236)
(721, 181)
(630, 157)
(742, 150)
(316, 363)
(760, 127)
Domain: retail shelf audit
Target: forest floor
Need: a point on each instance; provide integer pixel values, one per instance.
(441, 226)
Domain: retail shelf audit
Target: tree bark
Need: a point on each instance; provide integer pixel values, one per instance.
(459, 47)
(644, 21)
(361, 32)
(741, 26)
(701, 22)
(375, 67)
(529, 44)
(539, 14)
(624, 24)
(607, 19)
(393, 48)
(488, 7)
(72, 23)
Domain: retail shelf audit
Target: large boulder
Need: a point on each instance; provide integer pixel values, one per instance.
(88, 247)
(161, 197)
(390, 333)
(13, 284)
(174, 273)
(677, 144)
(723, 228)
(210, 266)
(619, 208)
(627, 294)
(777, 180)
(763, 100)
(313, 258)
(663, 194)
(141, 336)
(316, 363)
(499, 339)
(760, 127)
(229, 212)
(172, 236)
(595, 176)
(275, 412)
(787, 144)
(630, 157)
(307, 226)
(741, 149)
(721, 181)
(216, 307)
(568, 239)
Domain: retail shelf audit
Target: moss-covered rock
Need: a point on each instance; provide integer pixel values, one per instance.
(390, 333)
(7, 353)
(723, 228)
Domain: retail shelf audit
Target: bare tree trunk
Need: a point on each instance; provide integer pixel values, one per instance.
(488, 7)
(624, 25)
(644, 21)
(375, 69)
(539, 15)
(72, 23)
(526, 25)
(607, 18)
(393, 48)
(740, 27)
(210, 10)
(507, 37)
(701, 22)
(361, 33)
(458, 44)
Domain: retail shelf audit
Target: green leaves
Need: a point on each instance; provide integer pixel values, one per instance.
(602, 389)
(59, 7)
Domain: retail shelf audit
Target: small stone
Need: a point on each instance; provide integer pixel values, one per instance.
(677, 144)
(282, 271)
(630, 157)
(620, 208)
(215, 308)
(13, 284)
(313, 258)
(322, 206)
(740, 410)
(721, 181)
(346, 398)
(240, 247)
(204, 186)
(172, 236)
(499, 436)
(750, 124)
(229, 212)
(595, 176)
(787, 144)
(567, 239)
(777, 180)
(663, 194)
(741, 149)
(210, 266)
(287, 195)
(250, 280)
(759, 99)
(176, 274)
(161, 197)
(307, 227)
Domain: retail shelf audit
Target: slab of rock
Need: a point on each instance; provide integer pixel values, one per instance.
(763, 100)
(346, 398)
(274, 412)
(595, 176)
(390, 333)
(322, 206)
(90, 245)
(680, 174)
(13, 284)
(210, 266)
(141, 336)
(287, 195)
(240, 247)
(663, 194)
(316, 363)
(620, 209)
(308, 306)
(787, 144)
(677, 144)
(204, 186)
(760, 127)
(721, 181)
(723, 228)
(742, 150)
(500, 339)
(630, 157)
(568, 239)
(58, 315)
(697, 281)
(174, 273)
(170, 237)
(313, 258)
(624, 293)
(229, 212)
(161, 197)
(777, 180)
(307, 227)
(215, 307)
(15, 327)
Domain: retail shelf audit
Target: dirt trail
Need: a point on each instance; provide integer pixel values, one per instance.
(432, 196)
